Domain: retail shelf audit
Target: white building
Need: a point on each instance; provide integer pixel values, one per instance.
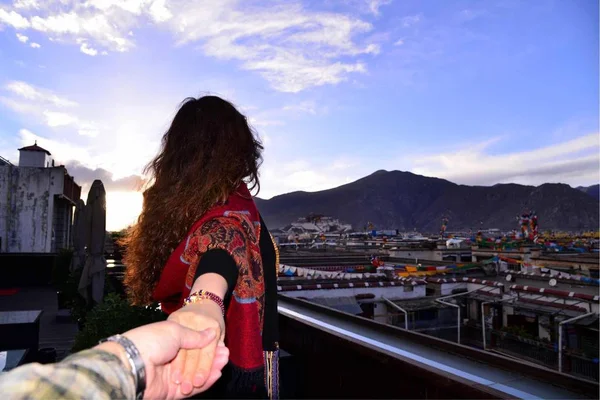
(36, 203)
(318, 225)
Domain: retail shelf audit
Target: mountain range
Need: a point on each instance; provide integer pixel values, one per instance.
(593, 190)
(406, 201)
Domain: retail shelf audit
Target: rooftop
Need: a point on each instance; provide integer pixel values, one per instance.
(34, 147)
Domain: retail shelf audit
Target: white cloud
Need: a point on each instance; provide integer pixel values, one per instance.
(159, 11)
(568, 162)
(32, 101)
(574, 162)
(293, 72)
(88, 50)
(306, 175)
(26, 4)
(374, 5)
(112, 151)
(35, 45)
(290, 46)
(57, 119)
(30, 92)
(22, 38)
(54, 119)
(399, 42)
(132, 6)
(13, 19)
(68, 153)
(100, 27)
(19, 106)
(105, 21)
(110, 140)
(62, 151)
(333, 32)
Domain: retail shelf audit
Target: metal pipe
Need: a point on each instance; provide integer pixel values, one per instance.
(483, 322)
(457, 317)
(441, 301)
(468, 292)
(396, 306)
(483, 317)
(560, 325)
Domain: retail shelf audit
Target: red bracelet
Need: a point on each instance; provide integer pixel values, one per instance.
(201, 295)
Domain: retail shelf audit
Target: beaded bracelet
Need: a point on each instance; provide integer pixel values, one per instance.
(201, 295)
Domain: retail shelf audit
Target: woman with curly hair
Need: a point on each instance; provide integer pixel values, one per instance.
(201, 249)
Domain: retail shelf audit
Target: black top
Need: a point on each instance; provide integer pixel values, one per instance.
(220, 262)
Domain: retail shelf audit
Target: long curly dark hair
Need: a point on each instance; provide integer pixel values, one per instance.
(207, 152)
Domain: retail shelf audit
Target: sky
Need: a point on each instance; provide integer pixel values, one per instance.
(475, 92)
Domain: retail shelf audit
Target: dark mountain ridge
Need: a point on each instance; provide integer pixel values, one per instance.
(405, 201)
(593, 190)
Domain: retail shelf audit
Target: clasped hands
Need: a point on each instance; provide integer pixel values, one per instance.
(184, 355)
(196, 370)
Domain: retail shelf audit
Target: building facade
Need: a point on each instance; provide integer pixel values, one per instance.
(36, 203)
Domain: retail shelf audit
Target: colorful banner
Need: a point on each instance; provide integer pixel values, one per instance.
(420, 270)
(444, 227)
(288, 270)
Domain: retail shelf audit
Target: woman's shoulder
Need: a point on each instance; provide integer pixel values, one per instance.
(226, 225)
(230, 220)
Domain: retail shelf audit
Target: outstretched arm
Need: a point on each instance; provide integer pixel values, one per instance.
(105, 373)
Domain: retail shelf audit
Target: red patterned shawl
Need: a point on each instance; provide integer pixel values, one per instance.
(235, 228)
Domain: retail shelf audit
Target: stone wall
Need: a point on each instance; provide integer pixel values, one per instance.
(27, 197)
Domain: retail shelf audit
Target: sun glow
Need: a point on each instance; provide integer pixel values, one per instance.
(122, 209)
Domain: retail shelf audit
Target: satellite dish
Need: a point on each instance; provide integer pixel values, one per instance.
(508, 277)
(552, 282)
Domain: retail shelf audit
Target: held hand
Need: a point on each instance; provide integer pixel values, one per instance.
(158, 344)
(192, 367)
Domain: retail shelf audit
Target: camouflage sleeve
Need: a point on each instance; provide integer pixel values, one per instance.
(90, 374)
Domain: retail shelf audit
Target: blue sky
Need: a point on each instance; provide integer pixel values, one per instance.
(474, 92)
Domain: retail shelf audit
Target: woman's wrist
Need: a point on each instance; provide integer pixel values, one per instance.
(207, 306)
(205, 297)
(211, 282)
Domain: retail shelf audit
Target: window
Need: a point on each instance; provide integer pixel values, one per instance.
(409, 288)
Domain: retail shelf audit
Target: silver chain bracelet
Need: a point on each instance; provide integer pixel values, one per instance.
(138, 369)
